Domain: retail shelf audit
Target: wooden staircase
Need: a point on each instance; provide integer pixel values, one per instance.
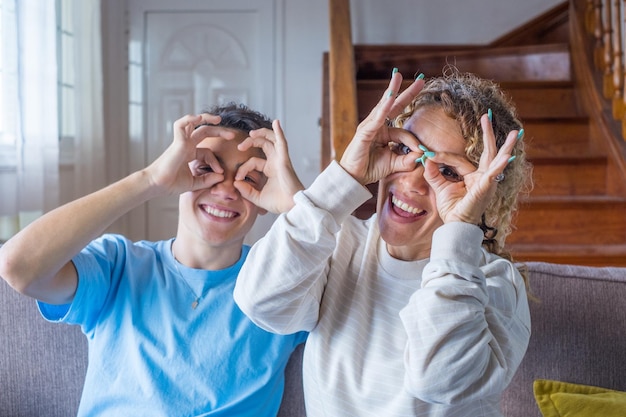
(576, 212)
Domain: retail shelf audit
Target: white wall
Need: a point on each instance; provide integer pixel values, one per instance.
(440, 21)
(306, 39)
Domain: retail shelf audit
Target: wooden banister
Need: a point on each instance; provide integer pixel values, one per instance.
(600, 72)
(342, 78)
(605, 28)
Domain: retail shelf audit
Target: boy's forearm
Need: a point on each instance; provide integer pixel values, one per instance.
(41, 250)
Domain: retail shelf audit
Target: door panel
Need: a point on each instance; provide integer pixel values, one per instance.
(192, 55)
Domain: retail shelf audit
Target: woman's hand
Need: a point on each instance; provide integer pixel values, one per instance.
(465, 195)
(181, 167)
(368, 157)
(276, 196)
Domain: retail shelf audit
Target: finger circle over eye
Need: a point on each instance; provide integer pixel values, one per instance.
(398, 148)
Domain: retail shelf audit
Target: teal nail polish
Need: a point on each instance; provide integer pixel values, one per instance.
(390, 94)
(421, 159)
(511, 159)
(427, 153)
(490, 115)
(520, 134)
(420, 77)
(394, 71)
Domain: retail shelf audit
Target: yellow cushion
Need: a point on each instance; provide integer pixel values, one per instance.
(564, 399)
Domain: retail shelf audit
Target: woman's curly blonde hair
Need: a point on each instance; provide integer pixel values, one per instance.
(465, 98)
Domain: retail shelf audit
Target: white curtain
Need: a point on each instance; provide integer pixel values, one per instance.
(90, 157)
(29, 145)
(29, 116)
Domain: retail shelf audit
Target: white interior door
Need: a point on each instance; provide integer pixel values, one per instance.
(184, 57)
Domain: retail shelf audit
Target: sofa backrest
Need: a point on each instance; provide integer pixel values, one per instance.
(42, 365)
(578, 336)
(293, 397)
(578, 332)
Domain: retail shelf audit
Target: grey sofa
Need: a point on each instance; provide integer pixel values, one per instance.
(578, 336)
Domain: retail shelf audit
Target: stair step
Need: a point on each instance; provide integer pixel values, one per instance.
(577, 176)
(590, 255)
(534, 100)
(545, 101)
(575, 220)
(532, 62)
(369, 93)
(561, 136)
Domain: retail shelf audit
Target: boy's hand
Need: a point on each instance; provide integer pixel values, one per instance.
(368, 156)
(179, 168)
(276, 196)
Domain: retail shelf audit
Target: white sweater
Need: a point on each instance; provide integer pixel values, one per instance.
(435, 337)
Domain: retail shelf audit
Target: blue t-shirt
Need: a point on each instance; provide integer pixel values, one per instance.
(152, 354)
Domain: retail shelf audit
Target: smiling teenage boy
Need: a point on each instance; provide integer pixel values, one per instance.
(165, 336)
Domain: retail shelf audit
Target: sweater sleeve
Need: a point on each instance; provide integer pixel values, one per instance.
(468, 325)
(281, 284)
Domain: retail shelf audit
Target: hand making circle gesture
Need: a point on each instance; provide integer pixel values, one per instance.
(276, 196)
(368, 156)
(466, 198)
(177, 169)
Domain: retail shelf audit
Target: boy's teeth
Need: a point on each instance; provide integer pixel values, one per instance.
(219, 213)
(404, 206)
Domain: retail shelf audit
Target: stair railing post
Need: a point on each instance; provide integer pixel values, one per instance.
(607, 77)
(623, 75)
(589, 16)
(618, 71)
(342, 78)
(598, 33)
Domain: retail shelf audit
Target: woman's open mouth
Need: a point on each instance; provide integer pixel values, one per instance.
(404, 209)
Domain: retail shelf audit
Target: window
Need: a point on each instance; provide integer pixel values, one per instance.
(2, 110)
(8, 79)
(66, 42)
(29, 116)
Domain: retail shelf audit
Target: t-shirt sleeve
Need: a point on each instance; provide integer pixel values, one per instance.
(96, 266)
